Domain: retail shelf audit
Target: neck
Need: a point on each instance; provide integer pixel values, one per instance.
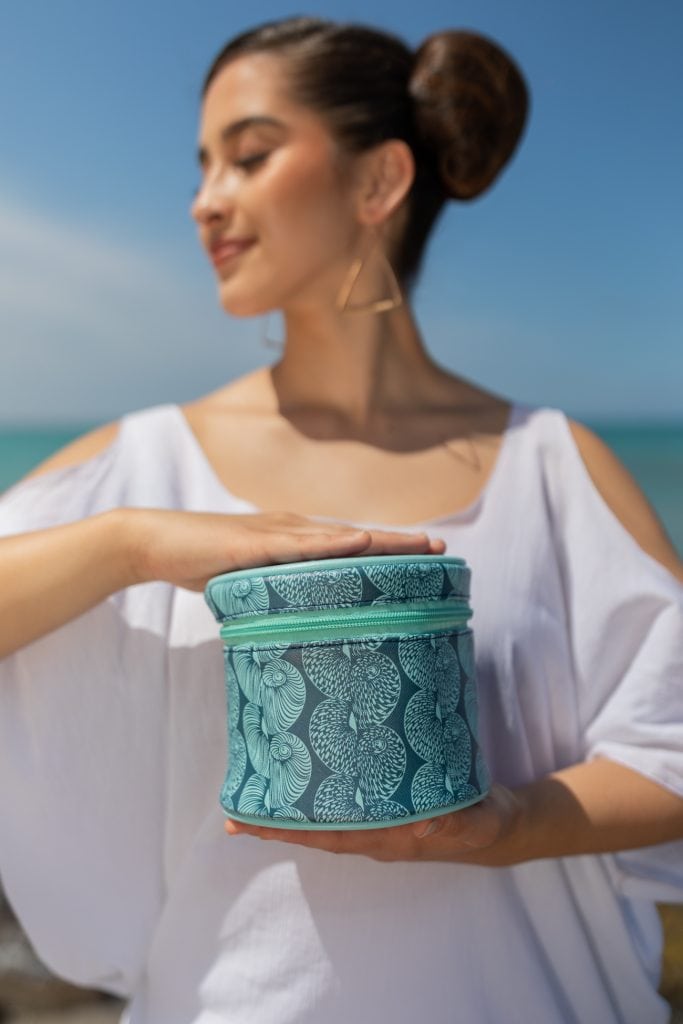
(353, 368)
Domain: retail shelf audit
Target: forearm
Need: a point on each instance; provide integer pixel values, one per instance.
(49, 577)
(595, 807)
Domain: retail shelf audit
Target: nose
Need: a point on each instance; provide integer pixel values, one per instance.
(212, 200)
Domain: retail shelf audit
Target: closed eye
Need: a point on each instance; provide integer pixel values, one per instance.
(247, 162)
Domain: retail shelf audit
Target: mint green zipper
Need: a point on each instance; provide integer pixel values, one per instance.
(424, 617)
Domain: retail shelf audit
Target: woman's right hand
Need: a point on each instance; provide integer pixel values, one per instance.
(188, 548)
(51, 576)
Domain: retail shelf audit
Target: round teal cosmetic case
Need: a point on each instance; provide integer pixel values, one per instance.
(351, 691)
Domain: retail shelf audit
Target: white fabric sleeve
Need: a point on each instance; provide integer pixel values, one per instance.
(625, 614)
(63, 495)
(81, 756)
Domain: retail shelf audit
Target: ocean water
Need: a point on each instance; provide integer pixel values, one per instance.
(654, 455)
(652, 452)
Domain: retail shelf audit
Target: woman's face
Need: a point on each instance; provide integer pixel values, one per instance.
(274, 211)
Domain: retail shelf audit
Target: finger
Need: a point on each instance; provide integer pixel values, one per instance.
(295, 548)
(235, 828)
(383, 542)
(300, 547)
(332, 841)
(385, 844)
(473, 827)
(479, 826)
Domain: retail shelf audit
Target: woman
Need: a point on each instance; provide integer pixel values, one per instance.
(327, 152)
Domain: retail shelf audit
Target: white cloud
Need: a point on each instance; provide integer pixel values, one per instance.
(90, 327)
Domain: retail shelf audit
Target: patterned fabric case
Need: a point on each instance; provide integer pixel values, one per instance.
(351, 692)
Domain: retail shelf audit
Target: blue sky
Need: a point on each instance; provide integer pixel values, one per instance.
(562, 286)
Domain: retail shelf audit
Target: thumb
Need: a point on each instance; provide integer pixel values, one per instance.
(473, 827)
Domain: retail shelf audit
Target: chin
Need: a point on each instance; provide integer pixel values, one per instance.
(242, 305)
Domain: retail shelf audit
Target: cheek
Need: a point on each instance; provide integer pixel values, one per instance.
(302, 216)
(307, 202)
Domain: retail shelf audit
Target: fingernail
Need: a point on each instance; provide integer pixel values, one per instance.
(468, 835)
(465, 841)
(428, 828)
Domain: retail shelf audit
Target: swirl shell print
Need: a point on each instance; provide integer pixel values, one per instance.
(258, 741)
(406, 582)
(466, 653)
(232, 691)
(329, 589)
(457, 750)
(385, 810)
(249, 664)
(432, 664)
(381, 762)
(334, 735)
(282, 776)
(375, 686)
(329, 669)
(431, 788)
(255, 797)
(290, 814)
(471, 706)
(339, 799)
(423, 724)
(482, 773)
(282, 693)
(237, 753)
(447, 678)
(240, 597)
(290, 768)
(457, 581)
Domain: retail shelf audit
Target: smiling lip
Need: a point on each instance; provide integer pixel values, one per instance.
(223, 251)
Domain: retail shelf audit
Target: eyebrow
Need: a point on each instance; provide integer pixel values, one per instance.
(236, 127)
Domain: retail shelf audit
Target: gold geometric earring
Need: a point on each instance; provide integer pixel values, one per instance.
(392, 300)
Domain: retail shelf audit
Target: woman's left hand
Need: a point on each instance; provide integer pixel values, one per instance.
(596, 806)
(488, 833)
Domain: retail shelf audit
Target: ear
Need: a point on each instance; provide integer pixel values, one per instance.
(385, 177)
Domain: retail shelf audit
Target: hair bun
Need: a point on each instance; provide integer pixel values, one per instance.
(471, 103)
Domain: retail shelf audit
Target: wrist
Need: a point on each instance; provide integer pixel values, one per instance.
(125, 531)
(515, 842)
(525, 826)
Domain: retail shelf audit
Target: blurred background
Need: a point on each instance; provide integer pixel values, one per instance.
(560, 287)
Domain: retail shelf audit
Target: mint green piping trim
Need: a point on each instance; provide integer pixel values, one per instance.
(349, 826)
(355, 562)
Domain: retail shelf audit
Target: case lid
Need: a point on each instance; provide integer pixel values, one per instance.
(337, 583)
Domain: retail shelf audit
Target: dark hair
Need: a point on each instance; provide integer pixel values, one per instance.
(459, 102)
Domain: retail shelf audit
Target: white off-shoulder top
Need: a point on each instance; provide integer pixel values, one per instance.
(113, 751)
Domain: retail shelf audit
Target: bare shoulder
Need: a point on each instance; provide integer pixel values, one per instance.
(78, 451)
(625, 498)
